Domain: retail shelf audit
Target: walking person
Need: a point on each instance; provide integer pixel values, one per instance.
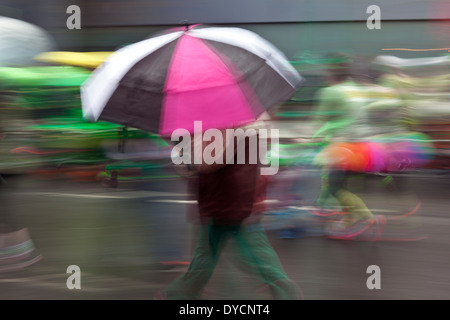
(17, 249)
(229, 197)
(372, 139)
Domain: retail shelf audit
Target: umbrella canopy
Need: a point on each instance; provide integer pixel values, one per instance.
(224, 77)
(20, 41)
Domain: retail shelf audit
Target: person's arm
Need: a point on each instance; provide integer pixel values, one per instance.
(332, 115)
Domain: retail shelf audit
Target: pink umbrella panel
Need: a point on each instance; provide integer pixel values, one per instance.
(223, 77)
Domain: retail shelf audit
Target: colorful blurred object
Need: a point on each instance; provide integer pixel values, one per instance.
(44, 130)
(52, 76)
(81, 59)
(424, 85)
(40, 110)
(384, 153)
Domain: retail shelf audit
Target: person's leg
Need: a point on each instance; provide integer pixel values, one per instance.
(17, 249)
(325, 194)
(257, 255)
(190, 285)
(354, 207)
(9, 221)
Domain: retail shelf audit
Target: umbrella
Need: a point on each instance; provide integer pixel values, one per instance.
(20, 41)
(223, 76)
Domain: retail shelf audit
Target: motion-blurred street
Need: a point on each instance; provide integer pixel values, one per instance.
(136, 138)
(117, 236)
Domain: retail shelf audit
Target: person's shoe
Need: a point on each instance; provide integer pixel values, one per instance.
(367, 229)
(384, 230)
(14, 238)
(340, 230)
(21, 264)
(17, 251)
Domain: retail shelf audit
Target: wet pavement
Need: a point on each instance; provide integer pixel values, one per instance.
(119, 236)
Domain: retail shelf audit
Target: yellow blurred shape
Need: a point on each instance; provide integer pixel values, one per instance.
(81, 59)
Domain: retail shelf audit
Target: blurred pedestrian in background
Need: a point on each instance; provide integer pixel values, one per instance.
(370, 139)
(17, 249)
(340, 107)
(335, 113)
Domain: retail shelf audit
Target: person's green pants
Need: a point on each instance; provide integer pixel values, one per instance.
(333, 183)
(253, 250)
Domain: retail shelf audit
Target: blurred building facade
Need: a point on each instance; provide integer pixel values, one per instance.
(295, 26)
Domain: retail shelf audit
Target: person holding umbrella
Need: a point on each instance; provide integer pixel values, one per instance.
(225, 78)
(230, 197)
